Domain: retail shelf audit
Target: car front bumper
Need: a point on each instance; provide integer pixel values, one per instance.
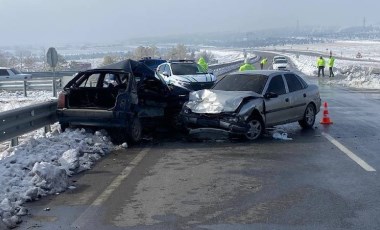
(221, 123)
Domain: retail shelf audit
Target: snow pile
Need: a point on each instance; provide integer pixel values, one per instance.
(41, 166)
(14, 99)
(347, 73)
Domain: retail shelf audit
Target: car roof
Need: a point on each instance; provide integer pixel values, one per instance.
(279, 57)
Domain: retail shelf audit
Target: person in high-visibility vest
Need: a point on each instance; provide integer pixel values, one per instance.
(246, 66)
(263, 63)
(202, 62)
(330, 63)
(321, 66)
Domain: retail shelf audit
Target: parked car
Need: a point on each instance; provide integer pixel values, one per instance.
(13, 74)
(280, 64)
(124, 97)
(245, 103)
(152, 63)
(186, 74)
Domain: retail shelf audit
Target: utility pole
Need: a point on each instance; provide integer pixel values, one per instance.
(364, 22)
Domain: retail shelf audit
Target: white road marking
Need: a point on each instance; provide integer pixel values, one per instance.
(350, 154)
(93, 210)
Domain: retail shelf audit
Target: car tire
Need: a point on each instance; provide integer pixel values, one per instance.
(64, 126)
(256, 128)
(135, 131)
(308, 119)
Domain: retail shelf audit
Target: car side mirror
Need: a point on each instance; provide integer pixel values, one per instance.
(270, 95)
(165, 73)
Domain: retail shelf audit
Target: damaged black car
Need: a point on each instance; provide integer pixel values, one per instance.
(125, 98)
(245, 103)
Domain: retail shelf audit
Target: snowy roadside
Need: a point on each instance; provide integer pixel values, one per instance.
(15, 99)
(42, 164)
(347, 73)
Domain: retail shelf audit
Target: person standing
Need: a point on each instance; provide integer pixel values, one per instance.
(321, 66)
(331, 65)
(263, 63)
(246, 66)
(202, 62)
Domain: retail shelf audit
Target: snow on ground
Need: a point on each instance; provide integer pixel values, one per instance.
(370, 50)
(347, 73)
(42, 165)
(15, 99)
(225, 56)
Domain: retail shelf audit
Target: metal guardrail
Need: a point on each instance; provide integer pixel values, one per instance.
(16, 122)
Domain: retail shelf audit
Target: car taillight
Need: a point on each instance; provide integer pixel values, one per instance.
(61, 101)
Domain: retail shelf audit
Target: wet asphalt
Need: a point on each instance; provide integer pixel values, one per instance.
(305, 183)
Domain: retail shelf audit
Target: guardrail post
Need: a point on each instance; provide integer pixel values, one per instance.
(47, 129)
(25, 84)
(54, 86)
(14, 141)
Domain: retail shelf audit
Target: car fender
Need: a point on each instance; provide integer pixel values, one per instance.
(249, 107)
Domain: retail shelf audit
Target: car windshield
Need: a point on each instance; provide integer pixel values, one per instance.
(15, 71)
(280, 61)
(186, 69)
(242, 82)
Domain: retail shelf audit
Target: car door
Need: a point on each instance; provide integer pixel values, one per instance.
(276, 109)
(297, 96)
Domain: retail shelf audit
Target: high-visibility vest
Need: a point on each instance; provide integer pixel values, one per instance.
(320, 62)
(264, 61)
(331, 62)
(246, 67)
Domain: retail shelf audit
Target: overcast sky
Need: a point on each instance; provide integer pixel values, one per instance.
(51, 22)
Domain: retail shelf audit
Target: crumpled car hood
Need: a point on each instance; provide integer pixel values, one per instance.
(217, 101)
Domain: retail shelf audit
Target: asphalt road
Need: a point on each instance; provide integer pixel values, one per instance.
(325, 178)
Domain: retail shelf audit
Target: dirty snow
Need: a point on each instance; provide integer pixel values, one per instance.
(42, 164)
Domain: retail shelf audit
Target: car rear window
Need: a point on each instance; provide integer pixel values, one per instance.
(242, 82)
(186, 69)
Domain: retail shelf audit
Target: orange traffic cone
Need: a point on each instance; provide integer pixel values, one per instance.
(326, 119)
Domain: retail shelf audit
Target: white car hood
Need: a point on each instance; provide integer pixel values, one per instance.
(217, 101)
(195, 78)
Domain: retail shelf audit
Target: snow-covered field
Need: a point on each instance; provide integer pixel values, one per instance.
(348, 49)
(14, 99)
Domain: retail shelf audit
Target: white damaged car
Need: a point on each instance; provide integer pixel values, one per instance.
(186, 74)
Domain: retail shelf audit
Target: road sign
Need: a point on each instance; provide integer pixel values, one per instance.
(52, 57)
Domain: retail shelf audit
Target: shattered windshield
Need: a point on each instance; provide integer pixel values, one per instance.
(186, 69)
(242, 82)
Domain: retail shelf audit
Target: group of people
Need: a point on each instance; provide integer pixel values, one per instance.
(249, 66)
(321, 63)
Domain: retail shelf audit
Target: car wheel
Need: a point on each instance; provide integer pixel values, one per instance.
(135, 131)
(308, 119)
(64, 126)
(255, 130)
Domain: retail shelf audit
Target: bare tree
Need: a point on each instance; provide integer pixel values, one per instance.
(107, 60)
(208, 56)
(3, 60)
(178, 52)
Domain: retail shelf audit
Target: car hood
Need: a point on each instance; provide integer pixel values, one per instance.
(217, 101)
(280, 64)
(195, 78)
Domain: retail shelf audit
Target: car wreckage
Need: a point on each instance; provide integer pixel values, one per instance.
(245, 103)
(124, 97)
